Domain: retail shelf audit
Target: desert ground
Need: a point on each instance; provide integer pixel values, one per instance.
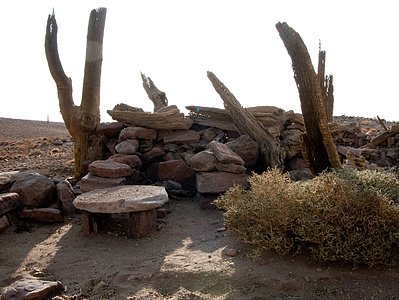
(190, 256)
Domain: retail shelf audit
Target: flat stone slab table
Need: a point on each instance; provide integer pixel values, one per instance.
(139, 201)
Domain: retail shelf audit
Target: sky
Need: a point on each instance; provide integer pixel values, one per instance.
(176, 42)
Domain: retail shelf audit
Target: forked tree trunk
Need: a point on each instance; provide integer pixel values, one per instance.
(318, 142)
(326, 82)
(246, 123)
(156, 96)
(81, 121)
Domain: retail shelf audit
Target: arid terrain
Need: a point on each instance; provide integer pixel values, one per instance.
(191, 256)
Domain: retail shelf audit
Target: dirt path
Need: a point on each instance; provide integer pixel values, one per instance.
(189, 257)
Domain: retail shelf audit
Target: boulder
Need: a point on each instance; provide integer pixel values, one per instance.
(224, 154)
(91, 182)
(124, 199)
(134, 132)
(176, 170)
(301, 174)
(131, 160)
(65, 196)
(246, 148)
(110, 145)
(7, 179)
(127, 147)
(35, 190)
(32, 289)
(47, 214)
(219, 182)
(8, 202)
(182, 137)
(109, 169)
(204, 161)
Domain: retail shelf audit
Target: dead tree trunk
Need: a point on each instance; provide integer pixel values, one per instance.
(246, 123)
(326, 83)
(156, 96)
(320, 148)
(81, 121)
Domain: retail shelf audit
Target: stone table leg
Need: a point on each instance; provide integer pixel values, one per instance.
(141, 223)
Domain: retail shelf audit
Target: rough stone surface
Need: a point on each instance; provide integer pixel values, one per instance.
(153, 154)
(134, 132)
(90, 182)
(35, 190)
(301, 174)
(231, 168)
(176, 170)
(224, 154)
(131, 160)
(8, 202)
(111, 129)
(129, 198)
(110, 145)
(109, 169)
(204, 161)
(218, 182)
(4, 223)
(7, 179)
(31, 289)
(42, 215)
(296, 163)
(65, 196)
(127, 147)
(246, 148)
(182, 137)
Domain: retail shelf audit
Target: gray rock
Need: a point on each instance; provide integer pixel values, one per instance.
(219, 182)
(224, 154)
(35, 190)
(129, 198)
(8, 202)
(204, 161)
(127, 147)
(231, 168)
(109, 129)
(32, 289)
(65, 196)
(109, 169)
(90, 182)
(154, 154)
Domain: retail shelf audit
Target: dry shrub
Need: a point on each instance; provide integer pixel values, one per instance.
(344, 215)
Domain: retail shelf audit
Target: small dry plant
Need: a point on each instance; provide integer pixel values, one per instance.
(344, 215)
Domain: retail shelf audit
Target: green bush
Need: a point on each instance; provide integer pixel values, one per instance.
(344, 215)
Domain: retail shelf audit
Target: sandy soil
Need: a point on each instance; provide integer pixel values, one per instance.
(189, 257)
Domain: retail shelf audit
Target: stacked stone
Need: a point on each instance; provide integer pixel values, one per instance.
(33, 197)
(219, 167)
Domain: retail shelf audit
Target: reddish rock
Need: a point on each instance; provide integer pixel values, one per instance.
(176, 170)
(127, 147)
(224, 154)
(96, 147)
(31, 289)
(65, 196)
(8, 202)
(90, 182)
(131, 160)
(109, 169)
(204, 161)
(42, 215)
(219, 182)
(134, 132)
(301, 174)
(35, 190)
(246, 148)
(109, 129)
(182, 137)
(231, 168)
(154, 154)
